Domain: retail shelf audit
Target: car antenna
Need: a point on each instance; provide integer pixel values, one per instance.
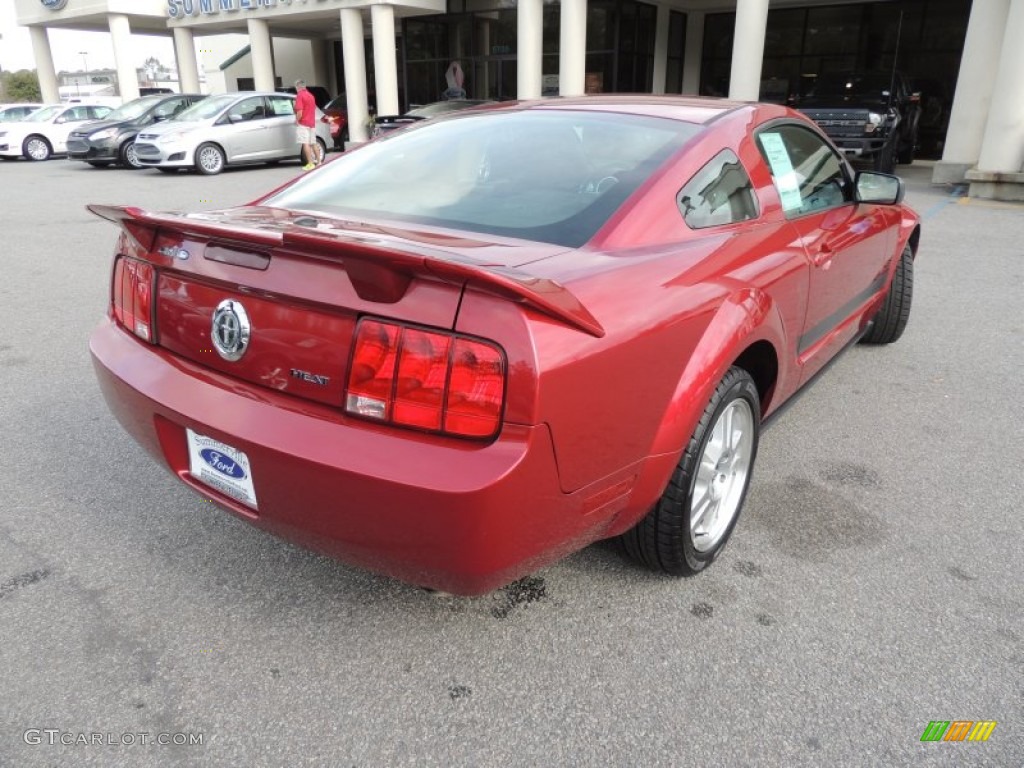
(895, 60)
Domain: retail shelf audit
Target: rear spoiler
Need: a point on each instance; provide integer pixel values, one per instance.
(378, 273)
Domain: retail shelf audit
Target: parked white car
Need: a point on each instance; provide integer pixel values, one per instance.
(229, 129)
(12, 113)
(44, 133)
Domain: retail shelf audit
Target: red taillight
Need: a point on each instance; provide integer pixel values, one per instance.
(429, 380)
(132, 296)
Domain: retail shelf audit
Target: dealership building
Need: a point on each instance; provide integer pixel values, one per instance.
(965, 58)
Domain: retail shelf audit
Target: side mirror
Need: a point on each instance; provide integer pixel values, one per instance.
(60, 120)
(235, 119)
(159, 118)
(880, 188)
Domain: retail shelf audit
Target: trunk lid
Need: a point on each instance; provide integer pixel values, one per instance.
(298, 285)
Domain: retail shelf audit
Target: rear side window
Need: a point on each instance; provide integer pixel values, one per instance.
(720, 193)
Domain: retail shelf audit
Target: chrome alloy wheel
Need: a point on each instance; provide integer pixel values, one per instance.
(722, 475)
(210, 159)
(130, 157)
(37, 149)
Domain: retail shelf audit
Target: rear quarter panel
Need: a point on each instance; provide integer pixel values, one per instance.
(678, 307)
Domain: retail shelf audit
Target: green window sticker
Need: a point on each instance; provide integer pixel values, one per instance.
(782, 171)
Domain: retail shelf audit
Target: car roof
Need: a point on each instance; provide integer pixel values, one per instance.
(690, 109)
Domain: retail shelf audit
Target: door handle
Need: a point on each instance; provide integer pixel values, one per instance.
(824, 255)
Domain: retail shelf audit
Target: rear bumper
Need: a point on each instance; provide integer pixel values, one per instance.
(456, 516)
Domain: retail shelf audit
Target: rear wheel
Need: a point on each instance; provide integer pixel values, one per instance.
(37, 148)
(209, 159)
(320, 150)
(890, 321)
(691, 523)
(128, 157)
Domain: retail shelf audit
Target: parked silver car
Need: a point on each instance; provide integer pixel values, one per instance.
(229, 129)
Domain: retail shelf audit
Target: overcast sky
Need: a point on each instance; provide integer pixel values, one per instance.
(16, 46)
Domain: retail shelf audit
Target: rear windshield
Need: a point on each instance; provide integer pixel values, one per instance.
(551, 176)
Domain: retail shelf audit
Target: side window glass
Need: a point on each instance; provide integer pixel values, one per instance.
(169, 109)
(280, 107)
(248, 109)
(720, 193)
(808, 174)
(76, 114)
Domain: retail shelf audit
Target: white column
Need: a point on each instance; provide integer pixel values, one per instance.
(185, 56)
(1002, 148)
(262, 53)
(44, 65)
(694, 51)
(748, 50)
(572, 59)
(354, 53)
(318, 49)
(979, 65)
(121, 37)
(660, 50)
(385, 70)
(530, 48)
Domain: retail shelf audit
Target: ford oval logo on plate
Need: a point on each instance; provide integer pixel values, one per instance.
(221, 463)
(221, 467)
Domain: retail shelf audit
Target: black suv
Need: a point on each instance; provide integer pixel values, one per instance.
(868, 115)
(112, 140)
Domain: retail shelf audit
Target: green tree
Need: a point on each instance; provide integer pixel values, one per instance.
(22, 86)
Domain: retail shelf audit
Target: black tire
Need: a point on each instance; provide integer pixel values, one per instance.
(128, 157)
(890, 321)
(36, 147)
(884, 162)
(210, 159)
(665, 540)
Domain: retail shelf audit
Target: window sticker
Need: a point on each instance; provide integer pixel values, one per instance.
(782, 170)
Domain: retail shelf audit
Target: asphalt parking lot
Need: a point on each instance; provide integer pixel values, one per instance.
(874, 583)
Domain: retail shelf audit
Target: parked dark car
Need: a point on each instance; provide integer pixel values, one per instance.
(936, 105)
(336, 115)
(870, 116)
(112, 140)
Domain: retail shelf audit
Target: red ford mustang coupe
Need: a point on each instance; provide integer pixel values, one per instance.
(463, 351)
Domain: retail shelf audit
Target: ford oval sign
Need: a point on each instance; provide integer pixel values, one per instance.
(223, 464)
(54, 5)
